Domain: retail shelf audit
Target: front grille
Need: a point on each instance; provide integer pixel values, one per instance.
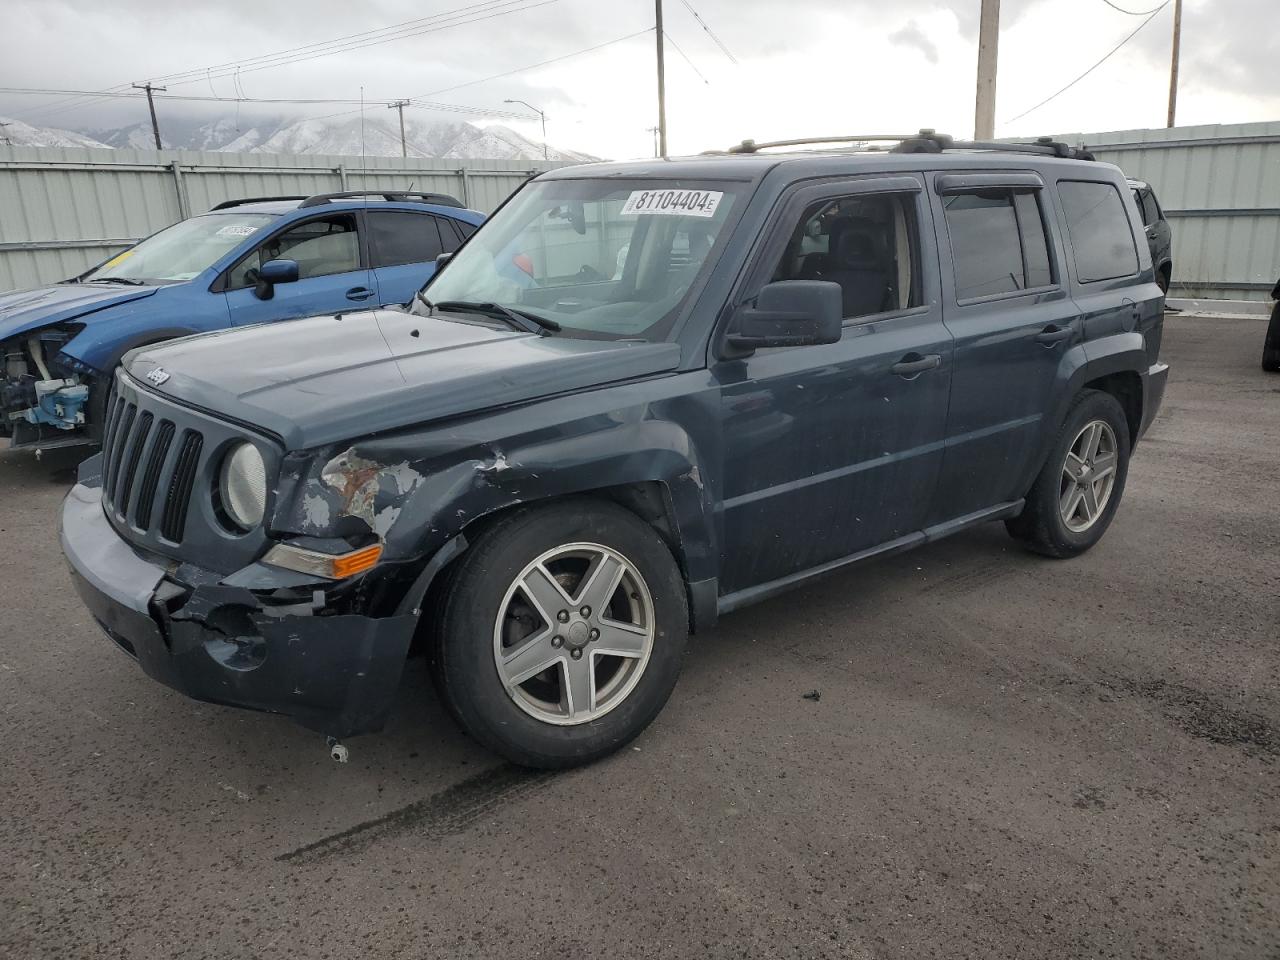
(159, 461)
(136, 445)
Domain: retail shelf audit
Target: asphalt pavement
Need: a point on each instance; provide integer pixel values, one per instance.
(1008, 757)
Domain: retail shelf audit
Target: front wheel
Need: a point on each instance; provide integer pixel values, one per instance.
(1075, 497)
(561, 633)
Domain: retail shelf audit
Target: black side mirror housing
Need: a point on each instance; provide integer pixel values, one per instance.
(273, 272)
(790, 313)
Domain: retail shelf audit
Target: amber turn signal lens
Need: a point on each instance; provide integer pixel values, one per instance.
(352, 563)
(329, 566)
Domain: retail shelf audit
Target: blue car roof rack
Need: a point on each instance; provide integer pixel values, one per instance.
(440, 199)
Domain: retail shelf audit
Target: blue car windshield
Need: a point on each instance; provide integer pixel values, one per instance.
(182, 251)
(602, 258)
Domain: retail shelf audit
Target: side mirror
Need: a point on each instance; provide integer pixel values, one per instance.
(442, 259)
(273, 272)
(790, 313)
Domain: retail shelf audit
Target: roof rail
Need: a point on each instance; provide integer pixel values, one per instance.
(440, 199)
(227, 204)
(750, 146)
(929, 141)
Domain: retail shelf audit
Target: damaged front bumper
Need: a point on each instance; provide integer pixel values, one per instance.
(335, 673)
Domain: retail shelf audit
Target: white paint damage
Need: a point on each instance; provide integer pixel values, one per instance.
(358, 481)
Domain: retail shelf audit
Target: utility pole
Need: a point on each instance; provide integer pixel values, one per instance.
(662, 82)
(543, 116)
(155, 124)
(404, 144)
(984, 113)
(1173, 69)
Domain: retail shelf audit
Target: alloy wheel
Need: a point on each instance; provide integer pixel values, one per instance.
(574, 633)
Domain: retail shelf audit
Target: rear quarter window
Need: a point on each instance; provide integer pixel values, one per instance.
(1101, 236)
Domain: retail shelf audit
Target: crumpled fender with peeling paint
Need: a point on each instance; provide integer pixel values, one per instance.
(415, 489)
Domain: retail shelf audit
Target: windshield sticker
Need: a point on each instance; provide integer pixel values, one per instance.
(236, 230)
(674, 203)
(117, 259)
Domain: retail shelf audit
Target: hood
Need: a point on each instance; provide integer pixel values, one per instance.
(24, 310)
(335, 378)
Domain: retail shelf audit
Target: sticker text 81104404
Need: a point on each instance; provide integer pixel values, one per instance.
(675, 203)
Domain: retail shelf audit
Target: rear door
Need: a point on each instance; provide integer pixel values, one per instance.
(833, 450)
(403, 246)
(1008, 306)
(333, 272)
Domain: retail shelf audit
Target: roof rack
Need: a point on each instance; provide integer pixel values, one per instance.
(227, 204)
(930, 141)
(440, 199)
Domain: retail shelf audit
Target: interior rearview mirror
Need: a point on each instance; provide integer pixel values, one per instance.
(273, 272)
(790, 313)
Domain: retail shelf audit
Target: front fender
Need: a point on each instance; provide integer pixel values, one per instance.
(415, 496)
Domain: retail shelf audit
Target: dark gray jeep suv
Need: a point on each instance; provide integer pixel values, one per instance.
(641, 395)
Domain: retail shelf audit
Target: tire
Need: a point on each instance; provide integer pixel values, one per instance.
(1056, 520)
(1162, 281)
(1271, 346)
(488, 633)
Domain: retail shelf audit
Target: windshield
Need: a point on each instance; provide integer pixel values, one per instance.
(182, 251)
(602, 258)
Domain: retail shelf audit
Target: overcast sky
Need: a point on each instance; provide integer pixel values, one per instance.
(803, 68)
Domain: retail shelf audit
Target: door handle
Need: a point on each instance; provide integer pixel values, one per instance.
(359, 293)
(1053, 334)
(912, 365)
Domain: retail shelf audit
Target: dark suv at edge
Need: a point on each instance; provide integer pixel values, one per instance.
(641, 395)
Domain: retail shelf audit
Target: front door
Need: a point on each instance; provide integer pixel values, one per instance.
(1007, 305)
(333, 273)
(833, 450)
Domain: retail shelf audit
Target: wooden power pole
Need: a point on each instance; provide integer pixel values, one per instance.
(984, 113)
(1173, 67)
(155, 124)
(662, 82)
(404, 144)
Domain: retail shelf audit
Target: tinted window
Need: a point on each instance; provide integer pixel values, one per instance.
(1099, 230)
(1034, 241)
(464, 229)
(998, 242)
(397, 236)
(984, 243)
(1150, 209)
(865, 243)
(322, 247)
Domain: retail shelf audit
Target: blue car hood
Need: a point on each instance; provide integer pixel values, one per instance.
(24, 310)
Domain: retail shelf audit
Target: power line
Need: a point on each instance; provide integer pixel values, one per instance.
(686, 58)
(1108, 56)
(1133, 13)
(710, 33)
(534, 66)
(472, 13)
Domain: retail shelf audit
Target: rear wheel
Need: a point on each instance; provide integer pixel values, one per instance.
(1162, 281)
(561, 633)
(1271, 346)
(1075, 497)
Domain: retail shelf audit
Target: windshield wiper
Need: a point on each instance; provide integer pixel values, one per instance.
(127, 281)
(520, 319)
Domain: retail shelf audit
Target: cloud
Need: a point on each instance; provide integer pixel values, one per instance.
(913, 37)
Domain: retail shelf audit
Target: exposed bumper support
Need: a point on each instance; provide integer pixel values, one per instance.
(334, 673)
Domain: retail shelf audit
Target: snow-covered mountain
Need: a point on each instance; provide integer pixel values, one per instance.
(335, 136)
(24, 135)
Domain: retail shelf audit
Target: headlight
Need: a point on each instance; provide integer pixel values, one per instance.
(242, 486)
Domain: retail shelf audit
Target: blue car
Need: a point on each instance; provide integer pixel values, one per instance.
(244, 262)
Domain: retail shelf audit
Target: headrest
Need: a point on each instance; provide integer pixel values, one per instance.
(859, 242)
